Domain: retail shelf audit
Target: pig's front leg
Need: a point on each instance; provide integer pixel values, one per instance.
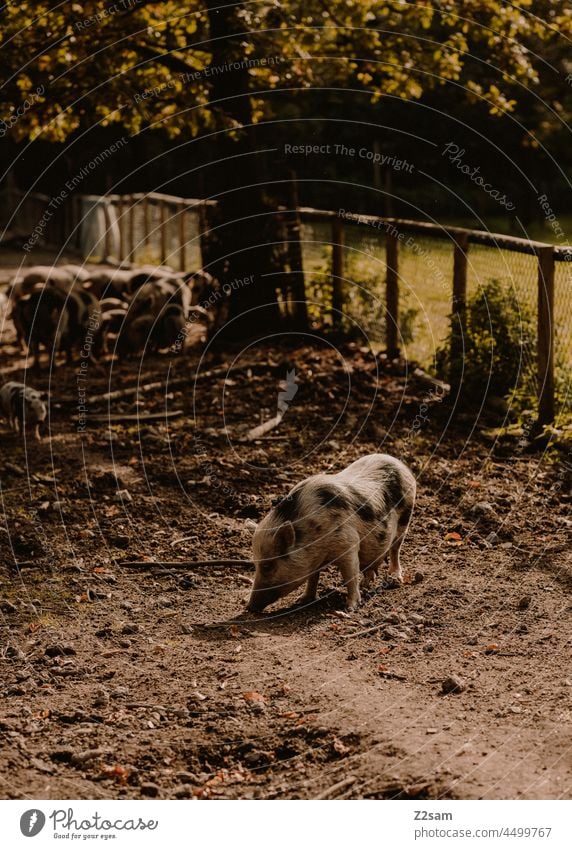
(349, 567)
(311, 589)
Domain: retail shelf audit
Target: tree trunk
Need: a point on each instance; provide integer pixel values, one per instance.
(241, 259)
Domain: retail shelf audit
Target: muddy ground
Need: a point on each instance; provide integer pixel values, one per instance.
(121, 682)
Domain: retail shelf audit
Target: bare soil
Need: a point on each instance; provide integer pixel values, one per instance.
(127, 683)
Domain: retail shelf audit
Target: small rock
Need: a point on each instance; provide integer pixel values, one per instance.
(101, 698)
(58, 650)
(452, 684)
(16, 653)
(130, 628)
(432, 731)
(524, 602)
(484, 509)
(80, 758)
(119, 540)
(429, 647)
(253, 758)
(393, 618)
(187, 777)
(8, 607)
(150, 789)
(124, 644)
(394, 634)
(416, 619)
(418, 577)
(119, 692)
(181, 791)
(123, 495)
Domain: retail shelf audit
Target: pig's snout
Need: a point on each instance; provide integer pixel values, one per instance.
(261, 598)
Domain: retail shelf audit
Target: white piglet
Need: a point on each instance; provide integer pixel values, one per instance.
(352, 519)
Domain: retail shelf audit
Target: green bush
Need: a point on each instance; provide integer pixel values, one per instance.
(500, 330)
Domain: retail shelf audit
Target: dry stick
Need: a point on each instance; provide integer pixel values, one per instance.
(135, 417)
(259, 431)
(340, 785)
(181, 381)
(182, 564)
(365, 631)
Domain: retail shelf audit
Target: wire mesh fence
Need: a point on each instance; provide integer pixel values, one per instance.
(425, 275)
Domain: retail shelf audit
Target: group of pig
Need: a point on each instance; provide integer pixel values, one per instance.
(71, 309)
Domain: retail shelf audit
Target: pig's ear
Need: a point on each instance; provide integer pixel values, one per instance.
(285, 536)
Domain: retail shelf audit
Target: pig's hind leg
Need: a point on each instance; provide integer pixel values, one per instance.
(395, 570)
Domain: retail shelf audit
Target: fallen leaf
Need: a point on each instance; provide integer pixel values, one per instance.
(290, 714)
(492, 648)
(253, 696)
(234, 631)
(120, 773)
(453, 538)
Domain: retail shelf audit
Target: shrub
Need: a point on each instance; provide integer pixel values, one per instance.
(500, 330)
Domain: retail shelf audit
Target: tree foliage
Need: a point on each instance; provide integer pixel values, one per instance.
(146, 64)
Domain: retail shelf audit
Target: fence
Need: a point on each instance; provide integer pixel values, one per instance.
(436, 267)
(342, 258)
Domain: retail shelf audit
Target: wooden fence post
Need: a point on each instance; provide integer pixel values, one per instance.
(392, 293)
(146, 225)
(202, 212)
(163, 230)
(121, 225)
(545, 340)
(182, 237)
(459, 297)
(337, 270)
(131, 228)
(297, 285)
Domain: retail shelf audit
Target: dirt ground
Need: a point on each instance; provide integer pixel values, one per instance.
(121, 682)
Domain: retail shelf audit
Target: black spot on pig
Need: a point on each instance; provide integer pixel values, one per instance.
(332, 498)
(287, 510)
(405, 516)
(361, 506)
(394, 489)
